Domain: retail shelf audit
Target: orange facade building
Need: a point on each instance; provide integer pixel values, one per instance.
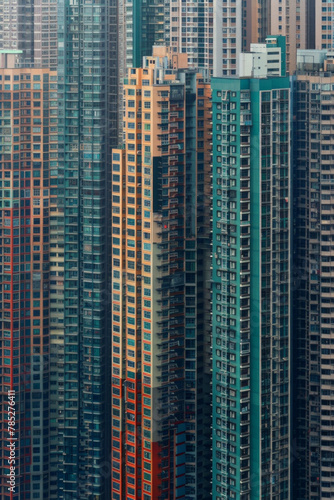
(160, 285)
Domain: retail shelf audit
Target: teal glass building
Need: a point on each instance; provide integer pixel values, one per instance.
(87, 42)
(144, 26)
(251, 288)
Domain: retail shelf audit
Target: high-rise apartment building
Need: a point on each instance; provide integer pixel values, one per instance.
(313, 304)
(187, 27)
(190, 30)
(16, 27)
(290, 18)
(228, 40)
(143, 25)
(87, 59)
(259, 14)
(32, 28)
(28, 157)
(160, 286)
(237, 24)
(251, 291)
(57, 420)
(324, 25)
(44, 37)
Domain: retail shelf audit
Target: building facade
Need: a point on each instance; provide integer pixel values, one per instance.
(313, 353)
(32, 28)
(251, 291)
(143, 25)
(228, 41)
(264, 59)
(187, 28)
(237, 24)
(292, 19)
(87, 96)
(28, 155)
(324, 27)
(160, 287)
(190, 30)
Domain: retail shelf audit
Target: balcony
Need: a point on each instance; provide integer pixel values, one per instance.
(246, 119)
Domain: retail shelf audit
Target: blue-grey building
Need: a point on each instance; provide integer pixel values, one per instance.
(87, 78)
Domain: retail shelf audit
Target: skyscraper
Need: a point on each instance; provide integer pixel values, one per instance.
(187, 27)
(32, 28)
(228, 37)
(313, 330)
(290, 18)
(44, 24)
(128, 382)
(161, 314)
(87, 58)
(238, 24)
(251, 288)
(28, 39)
(324, 26)
(190, 30)
(57, 237)
(142, 24)
(28, 151)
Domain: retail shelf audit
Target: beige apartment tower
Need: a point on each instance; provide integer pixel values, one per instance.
(324, 25)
